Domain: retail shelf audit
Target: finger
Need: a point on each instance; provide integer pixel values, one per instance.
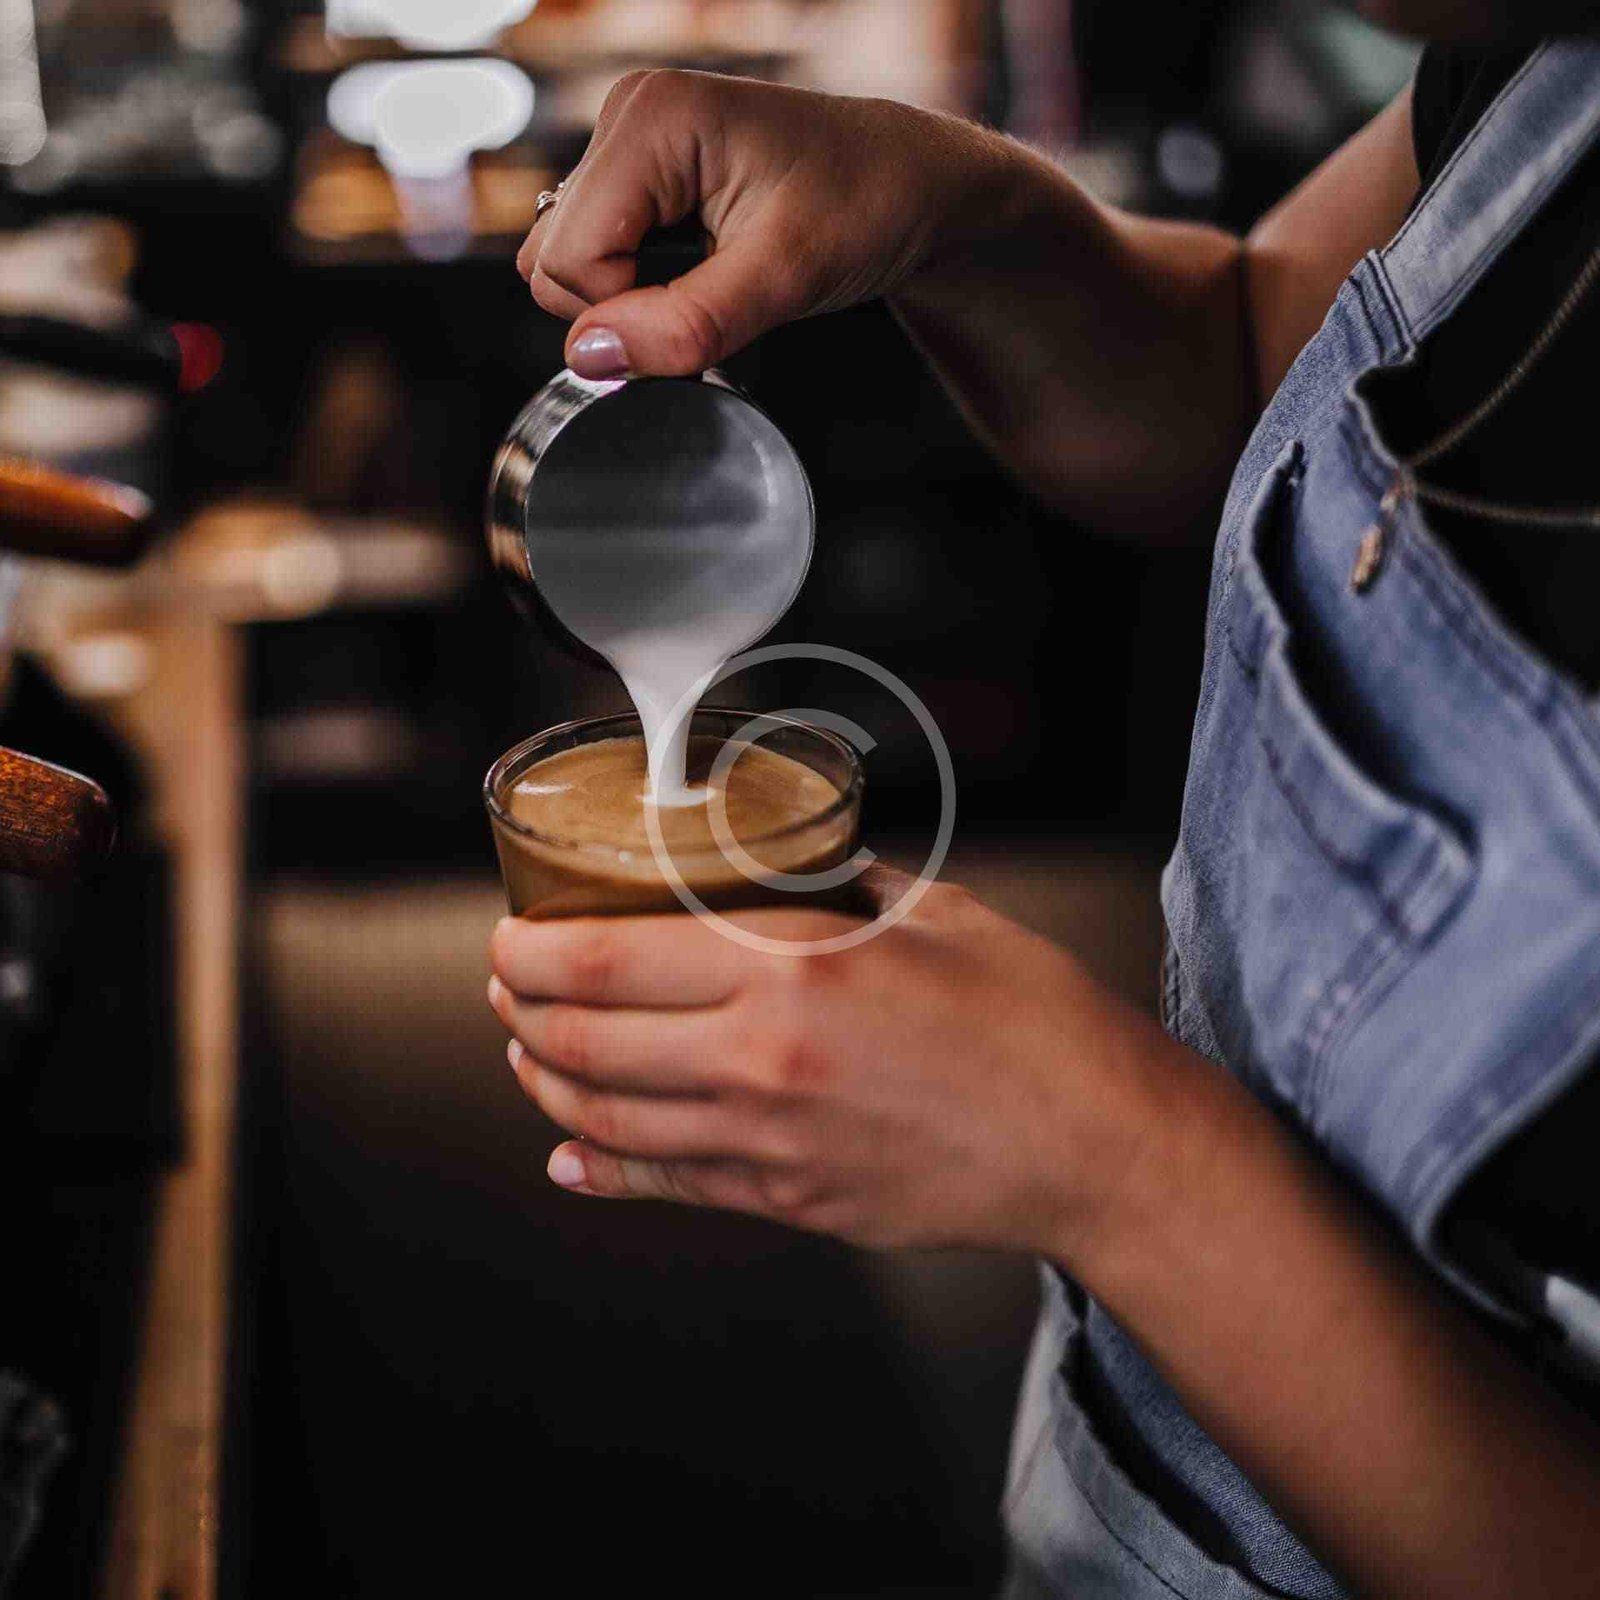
(727, 1185)
(875, 892)
(647, 1126)
(528, 254)
(616, 102)
(588, 280)
(553, 298)
(618, 961)
(882, 886)
(681, 328)
(642, 1052)
(642, 170)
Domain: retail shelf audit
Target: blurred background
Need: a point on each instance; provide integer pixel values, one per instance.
(289, 1306)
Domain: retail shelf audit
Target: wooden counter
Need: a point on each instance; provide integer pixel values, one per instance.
(161, 654)
(164, 1533)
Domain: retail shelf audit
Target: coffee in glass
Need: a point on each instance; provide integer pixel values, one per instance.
(569, 813)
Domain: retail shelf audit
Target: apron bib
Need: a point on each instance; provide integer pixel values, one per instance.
(1383, 909)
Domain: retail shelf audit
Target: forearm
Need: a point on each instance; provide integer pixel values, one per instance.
(961, 1081)
(1408, 1449)
(1103, 358)
(1115, 363)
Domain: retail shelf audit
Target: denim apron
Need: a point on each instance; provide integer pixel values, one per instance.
(1383, 909)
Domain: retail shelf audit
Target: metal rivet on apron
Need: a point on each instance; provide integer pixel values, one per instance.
(1374, 542)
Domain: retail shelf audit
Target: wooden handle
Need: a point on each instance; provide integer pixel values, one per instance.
(53, 823)
(48, 513)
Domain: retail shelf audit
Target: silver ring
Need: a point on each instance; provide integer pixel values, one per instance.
(547, 200)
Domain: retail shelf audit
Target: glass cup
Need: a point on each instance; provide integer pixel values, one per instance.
(550, 876)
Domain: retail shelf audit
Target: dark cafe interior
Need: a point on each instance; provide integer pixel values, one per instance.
(288, 1306)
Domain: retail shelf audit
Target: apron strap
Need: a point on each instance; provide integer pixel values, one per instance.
(1538, 128)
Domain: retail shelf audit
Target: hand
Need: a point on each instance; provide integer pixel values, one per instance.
(812, 201)
(956, 1080)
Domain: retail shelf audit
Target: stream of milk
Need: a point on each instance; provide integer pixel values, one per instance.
(661, 672)
(669, 540)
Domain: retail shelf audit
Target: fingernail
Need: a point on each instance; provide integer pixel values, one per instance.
(566, 1168)
(600, 353)
(496, 988)
(514, 1053)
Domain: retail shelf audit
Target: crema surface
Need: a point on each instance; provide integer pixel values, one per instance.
(590, 847)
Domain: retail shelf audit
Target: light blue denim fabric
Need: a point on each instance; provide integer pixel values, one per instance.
(1383, 909)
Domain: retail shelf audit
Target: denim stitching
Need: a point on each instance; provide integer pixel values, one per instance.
(1399, 323)
(1427, 201)
(1462, 620)
(1432, 863)
(1372, 969)
(1543, 697)
(1326, 1014)
(1532, 203)
(1548, 706)
(1359, 971)
(1354, 280)
(1381, 945)
(1355, 869)
(1387, 968)
(1288, 469)
(1358, 281)
(1548, 709)
(1377, 478)
(1385, 938)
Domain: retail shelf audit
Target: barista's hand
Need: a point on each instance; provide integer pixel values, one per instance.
(812, 202)
(956, 1080)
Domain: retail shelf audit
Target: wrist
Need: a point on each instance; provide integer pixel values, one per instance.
(990, 194)
(1166, 1118)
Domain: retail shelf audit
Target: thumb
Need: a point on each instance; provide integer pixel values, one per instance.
(873, 892)
(681, 328)
(881, 886)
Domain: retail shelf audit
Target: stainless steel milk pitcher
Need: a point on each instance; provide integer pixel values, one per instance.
(651, 484)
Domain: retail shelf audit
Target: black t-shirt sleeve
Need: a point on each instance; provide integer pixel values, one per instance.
(1434, 97)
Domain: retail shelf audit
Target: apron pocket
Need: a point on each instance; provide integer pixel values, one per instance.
(1078, 1527)
(1315, 883)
